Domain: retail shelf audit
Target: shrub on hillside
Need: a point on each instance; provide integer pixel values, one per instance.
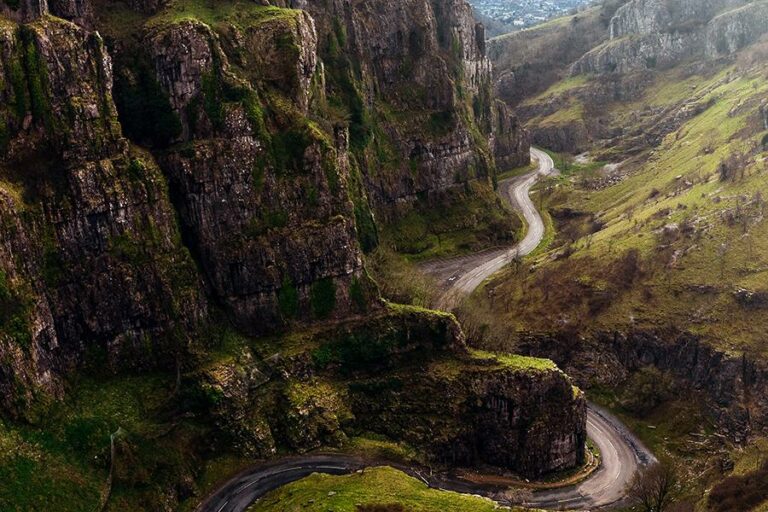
(627, 269)
(742, 492)
(646, 390)
(732, 167)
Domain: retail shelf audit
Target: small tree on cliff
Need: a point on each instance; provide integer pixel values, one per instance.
(656, 488)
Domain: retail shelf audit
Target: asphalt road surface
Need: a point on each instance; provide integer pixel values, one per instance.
(244, 489)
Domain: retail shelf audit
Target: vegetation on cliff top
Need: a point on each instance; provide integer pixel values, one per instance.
(62, 461)
(241, 13)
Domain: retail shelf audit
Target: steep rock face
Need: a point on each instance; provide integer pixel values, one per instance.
(95, 266)
(25, 10)
(653, 16)
(511, 143)
(76, 11)
(572, 137)
(281, 54)
(637, 53)
(29, 355)
(735, 387)
(409, 376)
(733, 30)
(422, 67)
(73, 118)
(466, 408)
(487, 414)
(181, 55)
(264, 199)
(650, 33)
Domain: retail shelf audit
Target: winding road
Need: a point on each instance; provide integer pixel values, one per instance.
(622, 454)
(461, 276)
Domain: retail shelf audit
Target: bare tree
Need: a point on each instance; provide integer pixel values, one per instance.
(656, 488)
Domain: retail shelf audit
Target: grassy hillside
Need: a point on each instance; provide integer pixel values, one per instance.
(679, 238)
(381, 489)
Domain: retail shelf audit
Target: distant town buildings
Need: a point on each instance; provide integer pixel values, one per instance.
(525, 13)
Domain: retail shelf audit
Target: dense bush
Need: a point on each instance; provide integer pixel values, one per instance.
(647, 389)
(742, 492)
(288, 299)
(732, 167)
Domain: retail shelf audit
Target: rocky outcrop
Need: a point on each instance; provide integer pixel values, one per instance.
(409, 376)
(486, 414)
(463, 408)
(423, 68)
(646, 34)
(76, 11)
(659, 50)
(735, 387)
(733, 30)
(511, 143)
(656, 16)
(281, 54)
(570, 137)
(24, 10)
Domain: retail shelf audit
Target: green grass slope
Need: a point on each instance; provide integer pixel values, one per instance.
(678, 239)
(380, 489)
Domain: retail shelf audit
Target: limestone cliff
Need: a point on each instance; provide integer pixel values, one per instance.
(241, 118)
(646, 34)
(93, 270)
(422, 68)
(409, 377)
(262, 191)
